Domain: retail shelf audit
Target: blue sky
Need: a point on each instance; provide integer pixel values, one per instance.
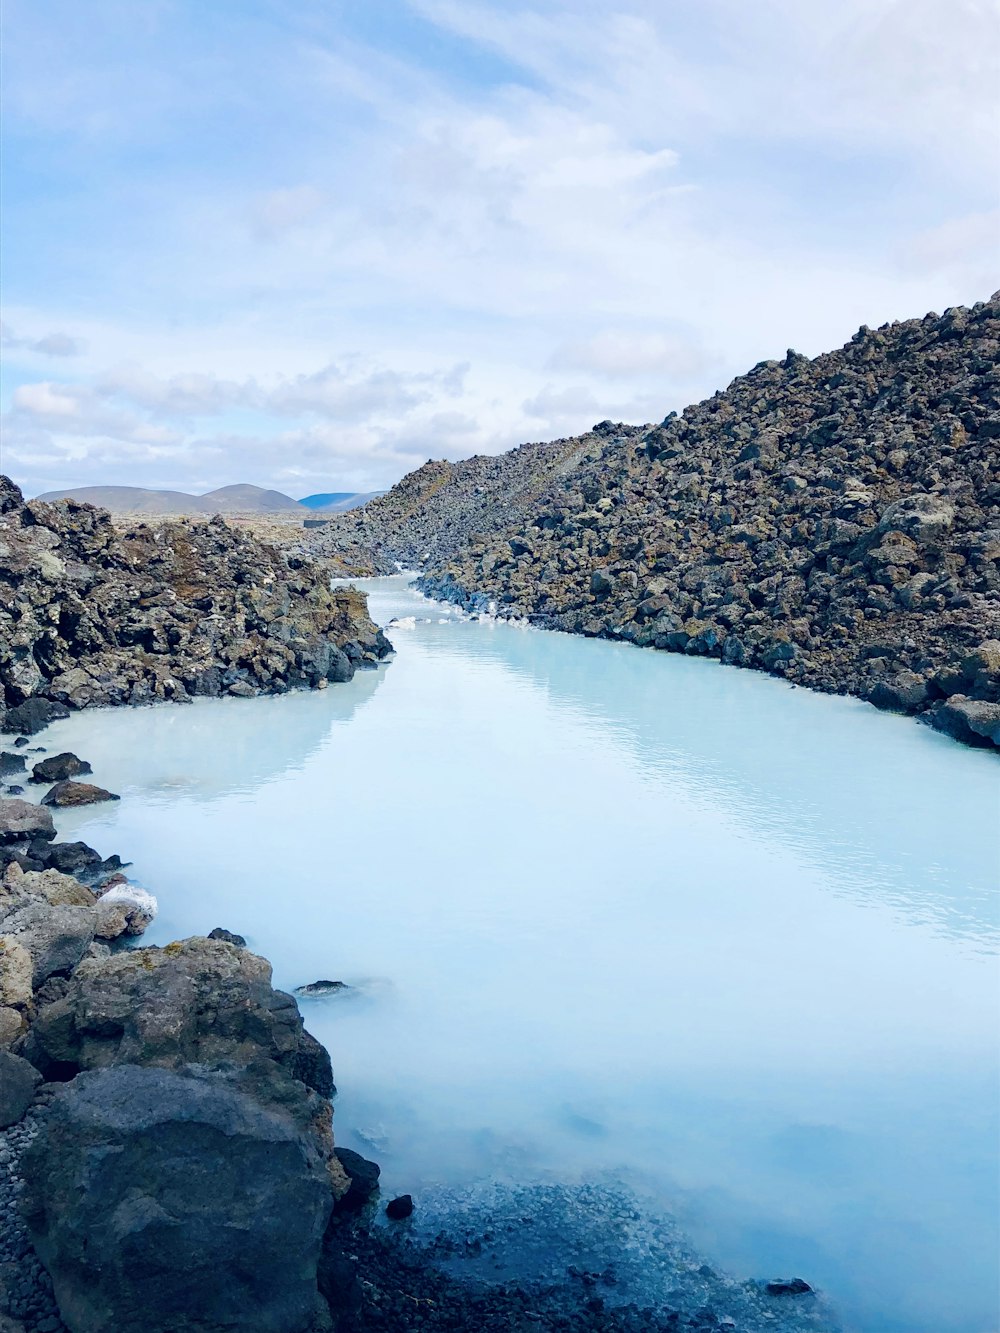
(312, 245)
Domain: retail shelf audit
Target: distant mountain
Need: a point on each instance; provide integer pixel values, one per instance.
(244, 499)
(239, 499)
(338, 502)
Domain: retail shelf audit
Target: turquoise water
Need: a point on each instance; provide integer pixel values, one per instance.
(611, 914)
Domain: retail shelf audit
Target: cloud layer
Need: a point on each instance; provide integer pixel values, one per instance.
(312, 246)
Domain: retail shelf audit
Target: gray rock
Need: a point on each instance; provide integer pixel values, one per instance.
(18, 1081)
(170, 1201)
(905, 693)
(220, 933)
(925, 518)
(198, 1001)
(23, 820)
(969, 720)
(55, 936)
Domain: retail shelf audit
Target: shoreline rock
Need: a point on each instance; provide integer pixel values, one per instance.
(90, 616)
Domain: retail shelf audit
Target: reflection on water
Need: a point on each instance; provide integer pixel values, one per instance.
(615, 911)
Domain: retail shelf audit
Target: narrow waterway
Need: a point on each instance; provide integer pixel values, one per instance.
(610, 915)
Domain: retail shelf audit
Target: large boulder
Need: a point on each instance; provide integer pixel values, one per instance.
(21, 821)
(170, 1201)
(197, 1001)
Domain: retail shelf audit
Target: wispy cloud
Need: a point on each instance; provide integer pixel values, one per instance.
(308, 242)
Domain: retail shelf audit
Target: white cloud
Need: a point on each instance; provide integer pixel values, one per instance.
(49, 344)
(621, 354)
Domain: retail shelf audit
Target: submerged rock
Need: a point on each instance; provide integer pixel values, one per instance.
(315, 989)
(175, 1201)
(10, 763)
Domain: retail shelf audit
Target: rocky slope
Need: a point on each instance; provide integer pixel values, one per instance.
(90, 615)
(834, 521)
(433, 512)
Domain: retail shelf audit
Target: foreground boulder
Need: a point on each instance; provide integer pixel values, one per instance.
(170, 1201)
(198, 1001)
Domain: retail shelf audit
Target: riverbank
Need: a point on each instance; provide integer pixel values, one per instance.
(834, 522)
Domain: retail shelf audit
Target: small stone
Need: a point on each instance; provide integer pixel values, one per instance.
(793, 1286)
(399, 1208)
(220, 933)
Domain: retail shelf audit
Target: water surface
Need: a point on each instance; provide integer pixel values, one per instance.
(615, 914)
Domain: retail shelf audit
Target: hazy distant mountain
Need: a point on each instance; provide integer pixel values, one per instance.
(244, 499)
(239, 499)
(338, 502)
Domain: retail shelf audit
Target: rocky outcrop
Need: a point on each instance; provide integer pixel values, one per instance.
(163, 1201)
(91, 616)
(833, 521)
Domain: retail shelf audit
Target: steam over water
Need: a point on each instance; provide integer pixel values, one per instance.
(614, 916)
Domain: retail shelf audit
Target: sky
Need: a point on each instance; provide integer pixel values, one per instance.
(312, 245)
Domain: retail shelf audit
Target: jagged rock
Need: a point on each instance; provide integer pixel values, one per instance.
(906, 693)
(10, 763)
(18, 1081)
(23, 820)
(33, 715)
(970, 720)
(313, 989)
(176, 1201)
(198, 1001)
(93, 616)
(220, 933)
(77, 793)
(72, 858)
(55, 937)
(363, 1176)
(58, 767)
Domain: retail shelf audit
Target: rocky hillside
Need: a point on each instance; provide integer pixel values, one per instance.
(835, 521)
(89, 615)
(434, 512)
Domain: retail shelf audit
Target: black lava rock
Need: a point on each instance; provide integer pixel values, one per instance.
(399, 1208)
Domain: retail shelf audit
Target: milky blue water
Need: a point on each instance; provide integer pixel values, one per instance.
(615, 915)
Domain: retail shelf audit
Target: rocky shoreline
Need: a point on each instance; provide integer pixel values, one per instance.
(91, 616)
(834, 521)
